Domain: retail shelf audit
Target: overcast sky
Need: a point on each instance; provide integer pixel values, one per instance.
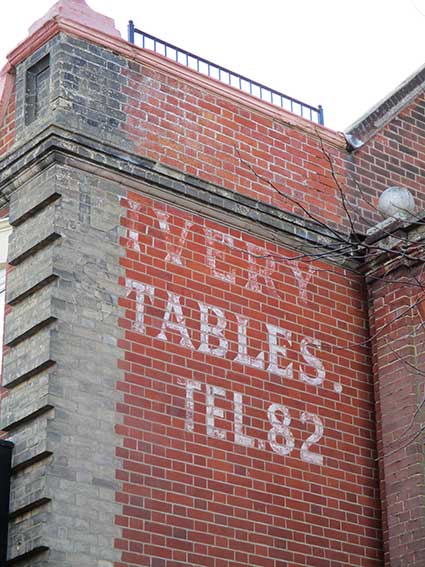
(345, 55)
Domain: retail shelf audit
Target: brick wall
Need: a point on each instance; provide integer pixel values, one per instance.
(241, 144)
(398, 354)
(394, 155)
(178, 324)
(224, 459)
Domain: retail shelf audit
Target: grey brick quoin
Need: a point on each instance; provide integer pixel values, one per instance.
(60, 367)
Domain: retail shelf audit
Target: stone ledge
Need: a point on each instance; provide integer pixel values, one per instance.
(29, 357)
(27, 555)
(32, 461)
(86, 154)
(29, 508)
(28, 417)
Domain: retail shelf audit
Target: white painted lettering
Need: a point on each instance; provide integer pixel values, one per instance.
(280, 428)
(133, 237)
(213, 411)
(255, 271)
(134, 205)
(275, 349)
(279, 436)
(191, 386)
(243, 356)
(303, 279)
(215, 331)
(240, 437)
(174, 251)
(173, 306)
(312, 361)
(141, 291)
(307, 455)
(212, 237)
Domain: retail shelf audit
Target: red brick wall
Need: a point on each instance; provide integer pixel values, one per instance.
(239, 354)
(398, 354)
(395, 155)
(208, 134)
(197, 496)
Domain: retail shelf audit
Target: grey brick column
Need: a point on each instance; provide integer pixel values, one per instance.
(61, 368)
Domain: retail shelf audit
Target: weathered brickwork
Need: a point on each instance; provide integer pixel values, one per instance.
(90, 90)
(34, 106)
(110, 464)
(393, 155)
(207, 135)
(398, 360)
(60, 369)
(18, 406)
(236, 356)
(203, 366)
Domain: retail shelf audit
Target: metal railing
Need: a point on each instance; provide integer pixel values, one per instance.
(313, 113)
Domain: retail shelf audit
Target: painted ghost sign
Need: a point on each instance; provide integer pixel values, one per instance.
(218, 293)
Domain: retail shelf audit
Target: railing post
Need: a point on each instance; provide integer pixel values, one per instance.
(5, 472)
(130, 30)
(321, 116)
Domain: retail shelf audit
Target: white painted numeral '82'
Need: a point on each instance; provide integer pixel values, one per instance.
(280, 429)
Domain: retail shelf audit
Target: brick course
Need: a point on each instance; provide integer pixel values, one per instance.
(191, 499)
(393, 156)
(209, 136)
(179, 332)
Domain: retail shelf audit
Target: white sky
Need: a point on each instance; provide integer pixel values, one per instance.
(345, 55)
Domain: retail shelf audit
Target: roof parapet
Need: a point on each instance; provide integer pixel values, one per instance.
(385, 110)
